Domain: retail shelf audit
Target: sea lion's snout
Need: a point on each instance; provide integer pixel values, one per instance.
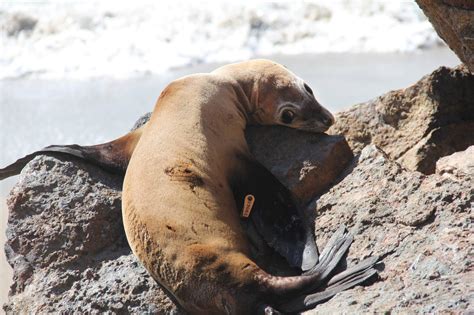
(315, 118)
(327, 118)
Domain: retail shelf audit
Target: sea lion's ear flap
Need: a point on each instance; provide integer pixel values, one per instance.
(112, 156)
(276, 218)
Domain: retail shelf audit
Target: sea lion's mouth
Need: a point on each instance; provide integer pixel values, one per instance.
(312, 126)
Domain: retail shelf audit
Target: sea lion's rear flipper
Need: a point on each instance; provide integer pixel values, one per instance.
(276, 218)
(340, 282)
(112, 156)
(299, 293)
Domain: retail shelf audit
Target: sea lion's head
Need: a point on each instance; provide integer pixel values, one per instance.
(285, 99)
(277, 96)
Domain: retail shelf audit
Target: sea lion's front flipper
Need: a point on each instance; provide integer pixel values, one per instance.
(112, 156)
(276, 218)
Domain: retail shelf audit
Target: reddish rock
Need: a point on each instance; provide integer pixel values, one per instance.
(453, 20)
(417, 125)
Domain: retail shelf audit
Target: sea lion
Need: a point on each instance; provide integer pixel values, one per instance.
(191, 164)
(256, 92)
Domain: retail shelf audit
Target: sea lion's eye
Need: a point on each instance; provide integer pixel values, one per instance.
(287, 116)
(308, 89)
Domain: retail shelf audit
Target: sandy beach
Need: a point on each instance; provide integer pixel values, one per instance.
(38, 112)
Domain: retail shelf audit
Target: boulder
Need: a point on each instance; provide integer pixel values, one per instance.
(68, 250)
(417, 125)
(453, 20)
(65, 239)
(420, 225)
(67, 247)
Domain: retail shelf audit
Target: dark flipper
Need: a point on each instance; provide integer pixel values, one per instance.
(275, 217)
(294, 291)
(297, 285)
(343, 281)
(112, 156)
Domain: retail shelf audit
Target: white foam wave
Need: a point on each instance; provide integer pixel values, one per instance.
(57, 39)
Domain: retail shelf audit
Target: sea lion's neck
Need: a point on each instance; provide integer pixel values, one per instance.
(245, 83)
(247, 93)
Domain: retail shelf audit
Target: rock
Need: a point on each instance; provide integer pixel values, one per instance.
(453, 20)
(459, 165)
(68, 251)
(420, 225)
(67, 247)
(417, 125)
(65, 238)
(306, 163)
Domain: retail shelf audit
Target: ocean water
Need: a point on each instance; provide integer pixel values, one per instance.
(121, 39)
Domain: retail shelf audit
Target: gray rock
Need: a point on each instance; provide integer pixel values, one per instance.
(417, 125)
(66, 242)
(67, 247)
(420, 225)
(306, 163)
(68, 251)
(141, 121)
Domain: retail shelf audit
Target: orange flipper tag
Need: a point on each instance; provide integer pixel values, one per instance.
(248, 204)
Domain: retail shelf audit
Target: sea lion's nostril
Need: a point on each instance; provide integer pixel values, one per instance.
(328, 121)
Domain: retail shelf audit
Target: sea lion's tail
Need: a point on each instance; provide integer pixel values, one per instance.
(112, 156)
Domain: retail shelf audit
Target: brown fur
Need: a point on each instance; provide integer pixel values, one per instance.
(179, 212)
(188, 167)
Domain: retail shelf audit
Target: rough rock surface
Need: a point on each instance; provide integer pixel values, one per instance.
(66, 241)
(459, 165)
(421, 225)
(453, 20)
(417, 125)
(67, 246)
(69, 253)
